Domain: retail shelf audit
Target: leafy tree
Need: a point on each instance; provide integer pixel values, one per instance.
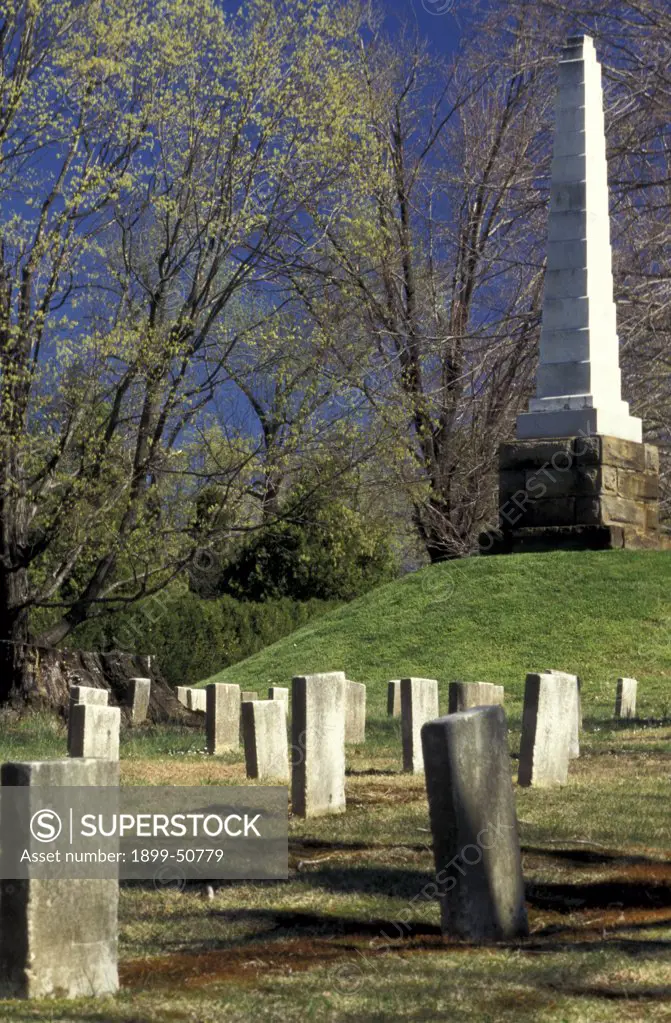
(320, 548)
(153, 154)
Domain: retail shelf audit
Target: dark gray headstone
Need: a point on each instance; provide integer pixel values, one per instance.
(474, 825)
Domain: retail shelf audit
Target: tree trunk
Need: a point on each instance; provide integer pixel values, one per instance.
(14, 629)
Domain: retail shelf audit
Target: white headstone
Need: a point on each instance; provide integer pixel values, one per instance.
(419, 703)
(578, 385)
(548, 726)
(264, 729)
(625, 698)
(94, 731)
(222, 719)
(318, 705)
(58, 937)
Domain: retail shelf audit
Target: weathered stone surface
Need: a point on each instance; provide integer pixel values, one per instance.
(355, 712)
(196, 700)
(609, 450)
(466, 695)
(635, 486)
(278, 693)
(574, 743)
(419, 704)
(264, 729)
(182, 693)
(548, 724)
(222, 719)
(576, 500)
(95, 731)
(474, 826)
(625, 698)
(139, 695)
(318, 706)
(619, 510)
(84, 694)
(534, 454)
(394, 698)
(550, 538)
(58, 937)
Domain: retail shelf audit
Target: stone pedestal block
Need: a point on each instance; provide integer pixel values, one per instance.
(625, 698)
(576, 493)
(94, 731)
(419, 704)
(139, 692)
(474, 826)
(182, 694)
(246, 695)
(278, 693)
(222, 718)
(466, 695)
(394, 698)
(58, 937)
(355, 714)
(318, 707)
(264, 730)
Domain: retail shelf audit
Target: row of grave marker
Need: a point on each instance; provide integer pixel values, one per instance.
(551, 708)
(64, 934)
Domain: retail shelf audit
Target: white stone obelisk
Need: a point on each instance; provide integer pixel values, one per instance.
(578, 385)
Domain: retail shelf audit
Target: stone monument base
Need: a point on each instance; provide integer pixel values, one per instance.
(576, 493)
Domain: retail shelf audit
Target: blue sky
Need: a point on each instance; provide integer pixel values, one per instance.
(437, 20)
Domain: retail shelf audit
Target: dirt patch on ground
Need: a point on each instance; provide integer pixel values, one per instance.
(193, 770)
(353, 940)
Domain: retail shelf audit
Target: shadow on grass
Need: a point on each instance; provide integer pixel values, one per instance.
(592, 856)
(567, 898)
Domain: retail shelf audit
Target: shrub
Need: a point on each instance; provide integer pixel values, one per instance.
(192, 638)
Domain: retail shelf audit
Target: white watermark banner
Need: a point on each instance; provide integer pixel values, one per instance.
(143, 833)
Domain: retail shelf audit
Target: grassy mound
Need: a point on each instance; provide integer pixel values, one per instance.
(600, 614)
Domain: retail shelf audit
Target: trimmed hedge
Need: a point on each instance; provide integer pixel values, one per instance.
(191, 637)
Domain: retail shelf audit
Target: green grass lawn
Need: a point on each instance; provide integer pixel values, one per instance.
(599, 614)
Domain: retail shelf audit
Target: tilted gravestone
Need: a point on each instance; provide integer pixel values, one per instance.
(264, 730)
(318, 705)
(355, 713)
(574, 747)
(466, 695)
(84, 694)
(222, 720)
(139, 692)
(394, 698)
(474, 826)
(182, 694)
(94, 731)
(419, 703)
(625, 698)
(548, 727)
(57, 937)
(196, 700)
